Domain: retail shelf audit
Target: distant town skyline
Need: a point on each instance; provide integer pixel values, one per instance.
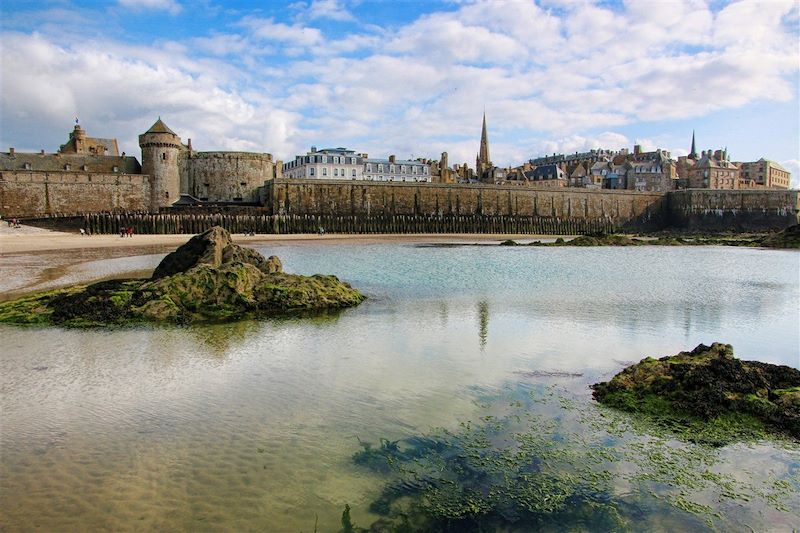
(410, 78)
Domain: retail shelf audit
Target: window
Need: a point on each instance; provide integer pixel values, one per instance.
(67, 167)
(325, 171)
(414, 170)
(27, 166)
(369, 167)
(354, 173)
(336, 172)
(391, 168)
(311, 171)
(163, 156)
(115, 169)
(380, 168)
(424, 170)
(324, 159)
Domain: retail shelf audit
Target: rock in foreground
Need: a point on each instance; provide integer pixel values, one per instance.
(708, 395)
(207, 279)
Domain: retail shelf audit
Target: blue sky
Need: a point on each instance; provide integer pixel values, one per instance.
(407, 78)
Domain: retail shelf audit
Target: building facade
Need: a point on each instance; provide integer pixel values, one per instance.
(344, 164)
(765, 174)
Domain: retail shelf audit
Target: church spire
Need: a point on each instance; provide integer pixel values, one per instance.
(484, 152)
(693, 153)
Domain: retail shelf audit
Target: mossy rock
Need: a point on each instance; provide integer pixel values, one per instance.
(788, 238)
(708, 388)
(221, 282)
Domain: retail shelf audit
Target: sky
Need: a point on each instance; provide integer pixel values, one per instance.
(407, 78)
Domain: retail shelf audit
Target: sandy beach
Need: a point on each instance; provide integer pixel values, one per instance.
(28, 239)
(33, 259)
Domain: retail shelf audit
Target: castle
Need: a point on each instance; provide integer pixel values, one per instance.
(89, 175)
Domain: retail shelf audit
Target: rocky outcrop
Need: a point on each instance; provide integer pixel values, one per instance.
(207, 279)
(215, 249)
(710, 385)
(788, 238)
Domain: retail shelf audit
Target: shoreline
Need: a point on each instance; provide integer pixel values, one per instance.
(29, 240)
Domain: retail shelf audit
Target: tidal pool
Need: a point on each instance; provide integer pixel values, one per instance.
(254, 425)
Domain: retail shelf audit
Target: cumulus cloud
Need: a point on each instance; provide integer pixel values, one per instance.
(545, 72)
(793, 166)
(323, 9)
(171, 6)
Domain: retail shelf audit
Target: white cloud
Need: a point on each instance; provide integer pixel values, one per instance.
(545, 72)
(171, 6)
(323, 9)
(793, 166)
(269, 30)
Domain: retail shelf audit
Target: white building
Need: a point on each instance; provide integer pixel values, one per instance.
(344, 164)
(326, 164)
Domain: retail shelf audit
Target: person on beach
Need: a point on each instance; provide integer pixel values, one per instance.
(130, 231)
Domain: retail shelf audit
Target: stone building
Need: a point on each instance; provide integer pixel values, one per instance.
(714, 170)
(88, 174)
(764, 174)
(651, 171)
(214, 177)
(344, 164)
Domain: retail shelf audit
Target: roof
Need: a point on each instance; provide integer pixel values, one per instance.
(396, 161)
(160, 127)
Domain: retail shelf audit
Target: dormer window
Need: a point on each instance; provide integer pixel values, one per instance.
(67, 167)
(115, 169)
(27, 166)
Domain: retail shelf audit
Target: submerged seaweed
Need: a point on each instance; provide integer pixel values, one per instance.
(518, 471)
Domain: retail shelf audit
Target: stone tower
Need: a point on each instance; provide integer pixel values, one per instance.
(160, 151)
(483, 162)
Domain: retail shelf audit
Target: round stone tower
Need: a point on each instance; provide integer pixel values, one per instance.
(160, 151)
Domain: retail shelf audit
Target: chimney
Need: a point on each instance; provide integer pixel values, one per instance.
(123, 154)
(313, 148)
(189, 145)
(42, 152)
(392, 158)
(11, 151)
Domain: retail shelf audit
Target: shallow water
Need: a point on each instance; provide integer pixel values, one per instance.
(252, 426)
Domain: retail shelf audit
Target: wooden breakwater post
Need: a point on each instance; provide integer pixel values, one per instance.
(191, 223)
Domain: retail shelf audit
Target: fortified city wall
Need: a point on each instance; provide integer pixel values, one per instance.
(715, 209)
(624, 209)
(32, 193)
(226, 176)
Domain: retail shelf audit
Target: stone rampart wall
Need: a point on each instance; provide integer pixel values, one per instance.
(226, 176)
(39, 193)
(728, 210)
(625, 209)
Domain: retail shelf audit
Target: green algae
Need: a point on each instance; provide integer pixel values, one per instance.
(709, 396)
(202, 294)
(516, 469)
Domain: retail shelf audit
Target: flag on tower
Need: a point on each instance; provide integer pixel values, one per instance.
(76, 120)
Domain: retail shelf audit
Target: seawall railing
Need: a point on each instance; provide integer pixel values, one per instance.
(142, 223)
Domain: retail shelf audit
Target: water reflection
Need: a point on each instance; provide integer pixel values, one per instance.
(252, 425)
(483, 323)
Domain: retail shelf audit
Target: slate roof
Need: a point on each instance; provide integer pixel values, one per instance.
(160, 127)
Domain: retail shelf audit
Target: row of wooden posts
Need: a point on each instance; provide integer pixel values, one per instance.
(288, 224)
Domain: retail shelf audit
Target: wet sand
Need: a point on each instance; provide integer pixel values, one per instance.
(28, 239)
(33, 259)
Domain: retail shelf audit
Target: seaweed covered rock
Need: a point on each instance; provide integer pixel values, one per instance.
(709, 388)
(207, 279)
(788, 238)
(214, 248)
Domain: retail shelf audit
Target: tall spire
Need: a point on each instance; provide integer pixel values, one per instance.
(693, 153)
(483, 155)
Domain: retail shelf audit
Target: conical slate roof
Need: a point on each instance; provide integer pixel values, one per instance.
(160, 127)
